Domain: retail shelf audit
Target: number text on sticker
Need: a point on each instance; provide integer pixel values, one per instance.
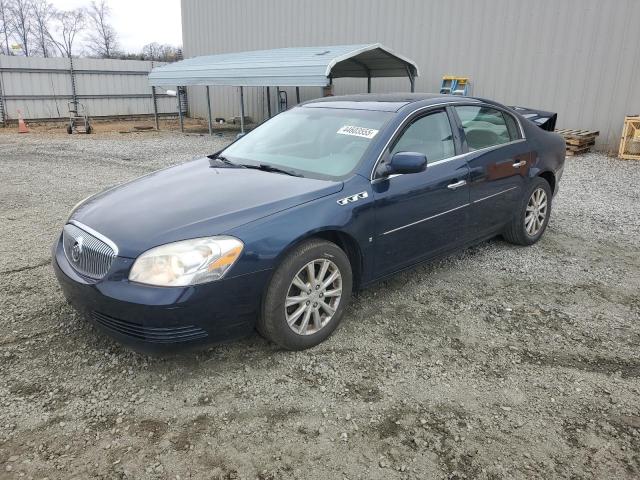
(358, 131)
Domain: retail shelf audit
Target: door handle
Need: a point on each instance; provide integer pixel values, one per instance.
(519, 164)
(453, 186)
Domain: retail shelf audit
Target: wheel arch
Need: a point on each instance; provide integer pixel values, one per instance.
(549, 176)
(343, 240)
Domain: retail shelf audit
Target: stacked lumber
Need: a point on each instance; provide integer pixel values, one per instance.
(578, 141)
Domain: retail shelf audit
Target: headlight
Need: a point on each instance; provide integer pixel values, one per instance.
(189, 262)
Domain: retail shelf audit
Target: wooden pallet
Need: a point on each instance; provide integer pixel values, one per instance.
(579, 151)
(571, 133)
(629, 140)
(578, 141)
(573, 150)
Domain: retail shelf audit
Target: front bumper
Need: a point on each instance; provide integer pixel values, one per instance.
(160, 319)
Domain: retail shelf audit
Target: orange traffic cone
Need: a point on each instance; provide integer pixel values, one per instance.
(22, 127)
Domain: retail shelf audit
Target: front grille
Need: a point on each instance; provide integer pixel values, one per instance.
(184, 333)
(87, 254)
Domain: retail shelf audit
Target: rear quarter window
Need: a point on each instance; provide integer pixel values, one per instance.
(512, 127)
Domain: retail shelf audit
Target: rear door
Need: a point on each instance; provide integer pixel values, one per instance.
(422, 214)
(499, 159)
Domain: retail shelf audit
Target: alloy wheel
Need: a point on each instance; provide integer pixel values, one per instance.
(536, 212)
(313, 296)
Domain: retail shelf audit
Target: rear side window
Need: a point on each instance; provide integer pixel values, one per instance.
(430, 135)
(486, 127)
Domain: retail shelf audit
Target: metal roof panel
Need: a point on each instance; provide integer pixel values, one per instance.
(300, 66)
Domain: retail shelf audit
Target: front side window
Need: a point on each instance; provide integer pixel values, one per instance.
(486, 127)
(430, 135)
(312, 141)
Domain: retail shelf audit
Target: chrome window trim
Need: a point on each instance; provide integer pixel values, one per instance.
(436, 106)
(98, 235)
(501, 109)
(402, 125)
(457, 157)
(494, 147)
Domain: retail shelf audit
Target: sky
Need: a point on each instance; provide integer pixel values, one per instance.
(139, 22)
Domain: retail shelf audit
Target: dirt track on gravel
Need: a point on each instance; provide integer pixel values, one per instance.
(497, 362)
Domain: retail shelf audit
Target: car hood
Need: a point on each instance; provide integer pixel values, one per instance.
(192, 200)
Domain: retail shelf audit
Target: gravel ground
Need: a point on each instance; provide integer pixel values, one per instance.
(497, 362)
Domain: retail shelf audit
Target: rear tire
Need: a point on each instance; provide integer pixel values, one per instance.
(301, 309)
(532, 217)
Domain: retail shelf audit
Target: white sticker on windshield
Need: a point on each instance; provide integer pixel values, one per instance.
(357, 131)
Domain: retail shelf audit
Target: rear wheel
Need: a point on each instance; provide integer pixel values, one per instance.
(531, 219)
(307, 296)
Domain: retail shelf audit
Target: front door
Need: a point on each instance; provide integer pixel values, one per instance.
(423, 214)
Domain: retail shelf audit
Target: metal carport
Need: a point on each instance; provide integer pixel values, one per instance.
(293, 67)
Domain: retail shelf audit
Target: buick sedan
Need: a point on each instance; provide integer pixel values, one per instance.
(277, 230)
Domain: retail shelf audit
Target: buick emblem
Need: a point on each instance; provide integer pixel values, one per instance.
(76, 250)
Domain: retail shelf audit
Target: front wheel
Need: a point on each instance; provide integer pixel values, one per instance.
(531, 220)
(307, 295)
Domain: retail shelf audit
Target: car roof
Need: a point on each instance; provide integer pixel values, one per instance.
(385, 102)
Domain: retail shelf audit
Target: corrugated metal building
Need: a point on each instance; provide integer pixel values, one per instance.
(579, 58)
(41, 87)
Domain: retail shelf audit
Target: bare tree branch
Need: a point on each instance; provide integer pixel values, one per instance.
(161, 53)
(67, 25)
(102, 40)
(5, 27)
(22, 22)
(43, 13)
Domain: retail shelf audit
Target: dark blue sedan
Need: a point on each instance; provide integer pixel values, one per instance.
(277, 230)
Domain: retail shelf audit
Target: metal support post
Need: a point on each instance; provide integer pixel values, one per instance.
(241, 110)
(369, 84)
(155, 107)
(268, 102)
(209, 111)
(178, 93)
(412, 79)
(298, 94)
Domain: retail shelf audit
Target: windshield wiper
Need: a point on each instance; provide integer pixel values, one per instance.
(222, 159)
(270, 168)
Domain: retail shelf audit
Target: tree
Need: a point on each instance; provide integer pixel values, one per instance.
(43, 14)
(102, 41)
(22, 22)
(67, 25)
(161, 53)
(5, 27)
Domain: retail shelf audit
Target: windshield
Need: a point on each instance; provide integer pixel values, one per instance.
(315, 142)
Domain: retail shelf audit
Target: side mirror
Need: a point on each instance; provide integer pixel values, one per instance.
(407, 162)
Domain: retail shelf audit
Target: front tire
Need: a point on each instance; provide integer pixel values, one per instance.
(307, 296)
(530, 221)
